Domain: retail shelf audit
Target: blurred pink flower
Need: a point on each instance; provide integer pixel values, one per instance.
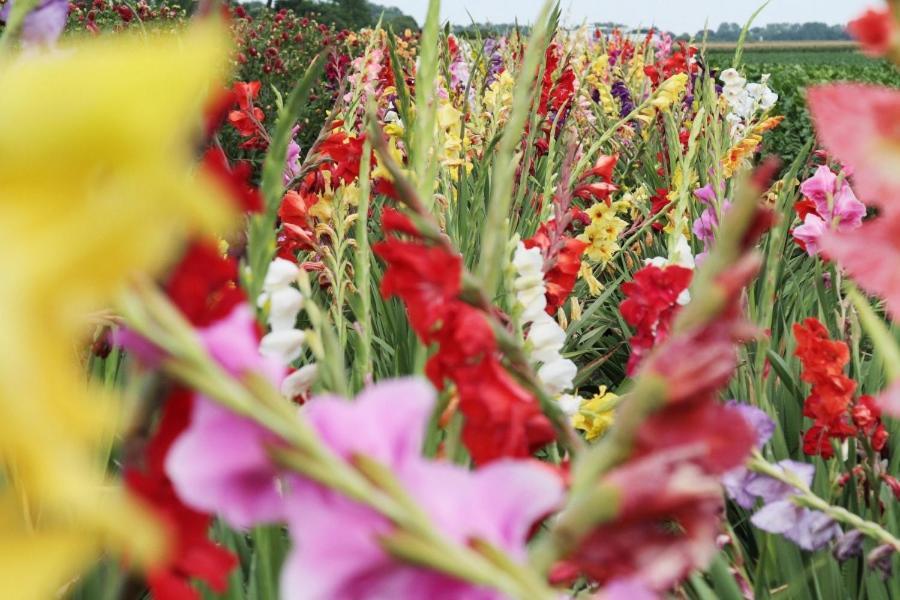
(871, 255)
(889, 400)
(498, 503)
(220, 464)
(859, 124)
(44, 24)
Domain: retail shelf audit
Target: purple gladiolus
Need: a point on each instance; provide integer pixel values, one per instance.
(44, 24)
(620, 92)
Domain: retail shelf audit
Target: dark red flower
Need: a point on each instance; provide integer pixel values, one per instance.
(426, 278)
(564, 257)
(830, 397)
(658, 202)
(501, 417)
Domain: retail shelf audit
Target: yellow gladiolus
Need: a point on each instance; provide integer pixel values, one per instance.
(597, 414)
(97, 184)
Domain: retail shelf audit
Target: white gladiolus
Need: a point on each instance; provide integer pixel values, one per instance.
(285, 345)
(281, 273)
(300, 381)
(558, 376)
(546, 337)
(284, 306)
(745, 101)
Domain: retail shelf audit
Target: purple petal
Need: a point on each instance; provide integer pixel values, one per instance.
(777, 517)
(812, 530)
(762, 424)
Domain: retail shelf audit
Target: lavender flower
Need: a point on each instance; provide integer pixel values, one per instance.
(807, 528)
(44, 24)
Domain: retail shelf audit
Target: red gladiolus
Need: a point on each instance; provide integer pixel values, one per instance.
(193, 554)
(235, 179)
(502, 419)
(603, 168)
(203, 285)
(667, 496)
(658, 202)
(830, 398)
(650, 305)
(565, 257)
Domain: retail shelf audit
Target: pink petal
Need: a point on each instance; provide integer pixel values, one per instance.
(870, 255)
(889, 400)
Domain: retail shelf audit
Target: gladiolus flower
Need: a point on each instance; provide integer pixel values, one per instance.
(43, 24)
(386, 423)
(123, 170)
(219, 464)
(875, 31)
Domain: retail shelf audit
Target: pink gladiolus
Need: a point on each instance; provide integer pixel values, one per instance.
(498, 503)
(845, 209)
(220, 463)
(810, 233)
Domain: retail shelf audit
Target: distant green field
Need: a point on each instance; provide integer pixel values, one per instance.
(794, 67)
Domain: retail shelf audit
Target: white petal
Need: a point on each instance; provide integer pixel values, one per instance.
(569, 403)
(281, 273)
(285, 345)
(300, 381)
(558, 375)
(284, 306)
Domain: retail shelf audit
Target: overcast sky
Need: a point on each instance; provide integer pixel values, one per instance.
(674, 15)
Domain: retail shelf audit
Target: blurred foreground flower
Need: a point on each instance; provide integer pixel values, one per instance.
(97, 184)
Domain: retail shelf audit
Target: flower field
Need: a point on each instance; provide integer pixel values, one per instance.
(319, 314)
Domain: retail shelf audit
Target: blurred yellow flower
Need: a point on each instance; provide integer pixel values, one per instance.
(97, 184)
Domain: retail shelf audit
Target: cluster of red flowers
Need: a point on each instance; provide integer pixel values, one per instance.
(338, 158)
(96, 15)
(830, 402)
(669, 497)
(248, 117)
(502, 419)
(681, 61)
(650, 305)
(556, 93)
(204, 288)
